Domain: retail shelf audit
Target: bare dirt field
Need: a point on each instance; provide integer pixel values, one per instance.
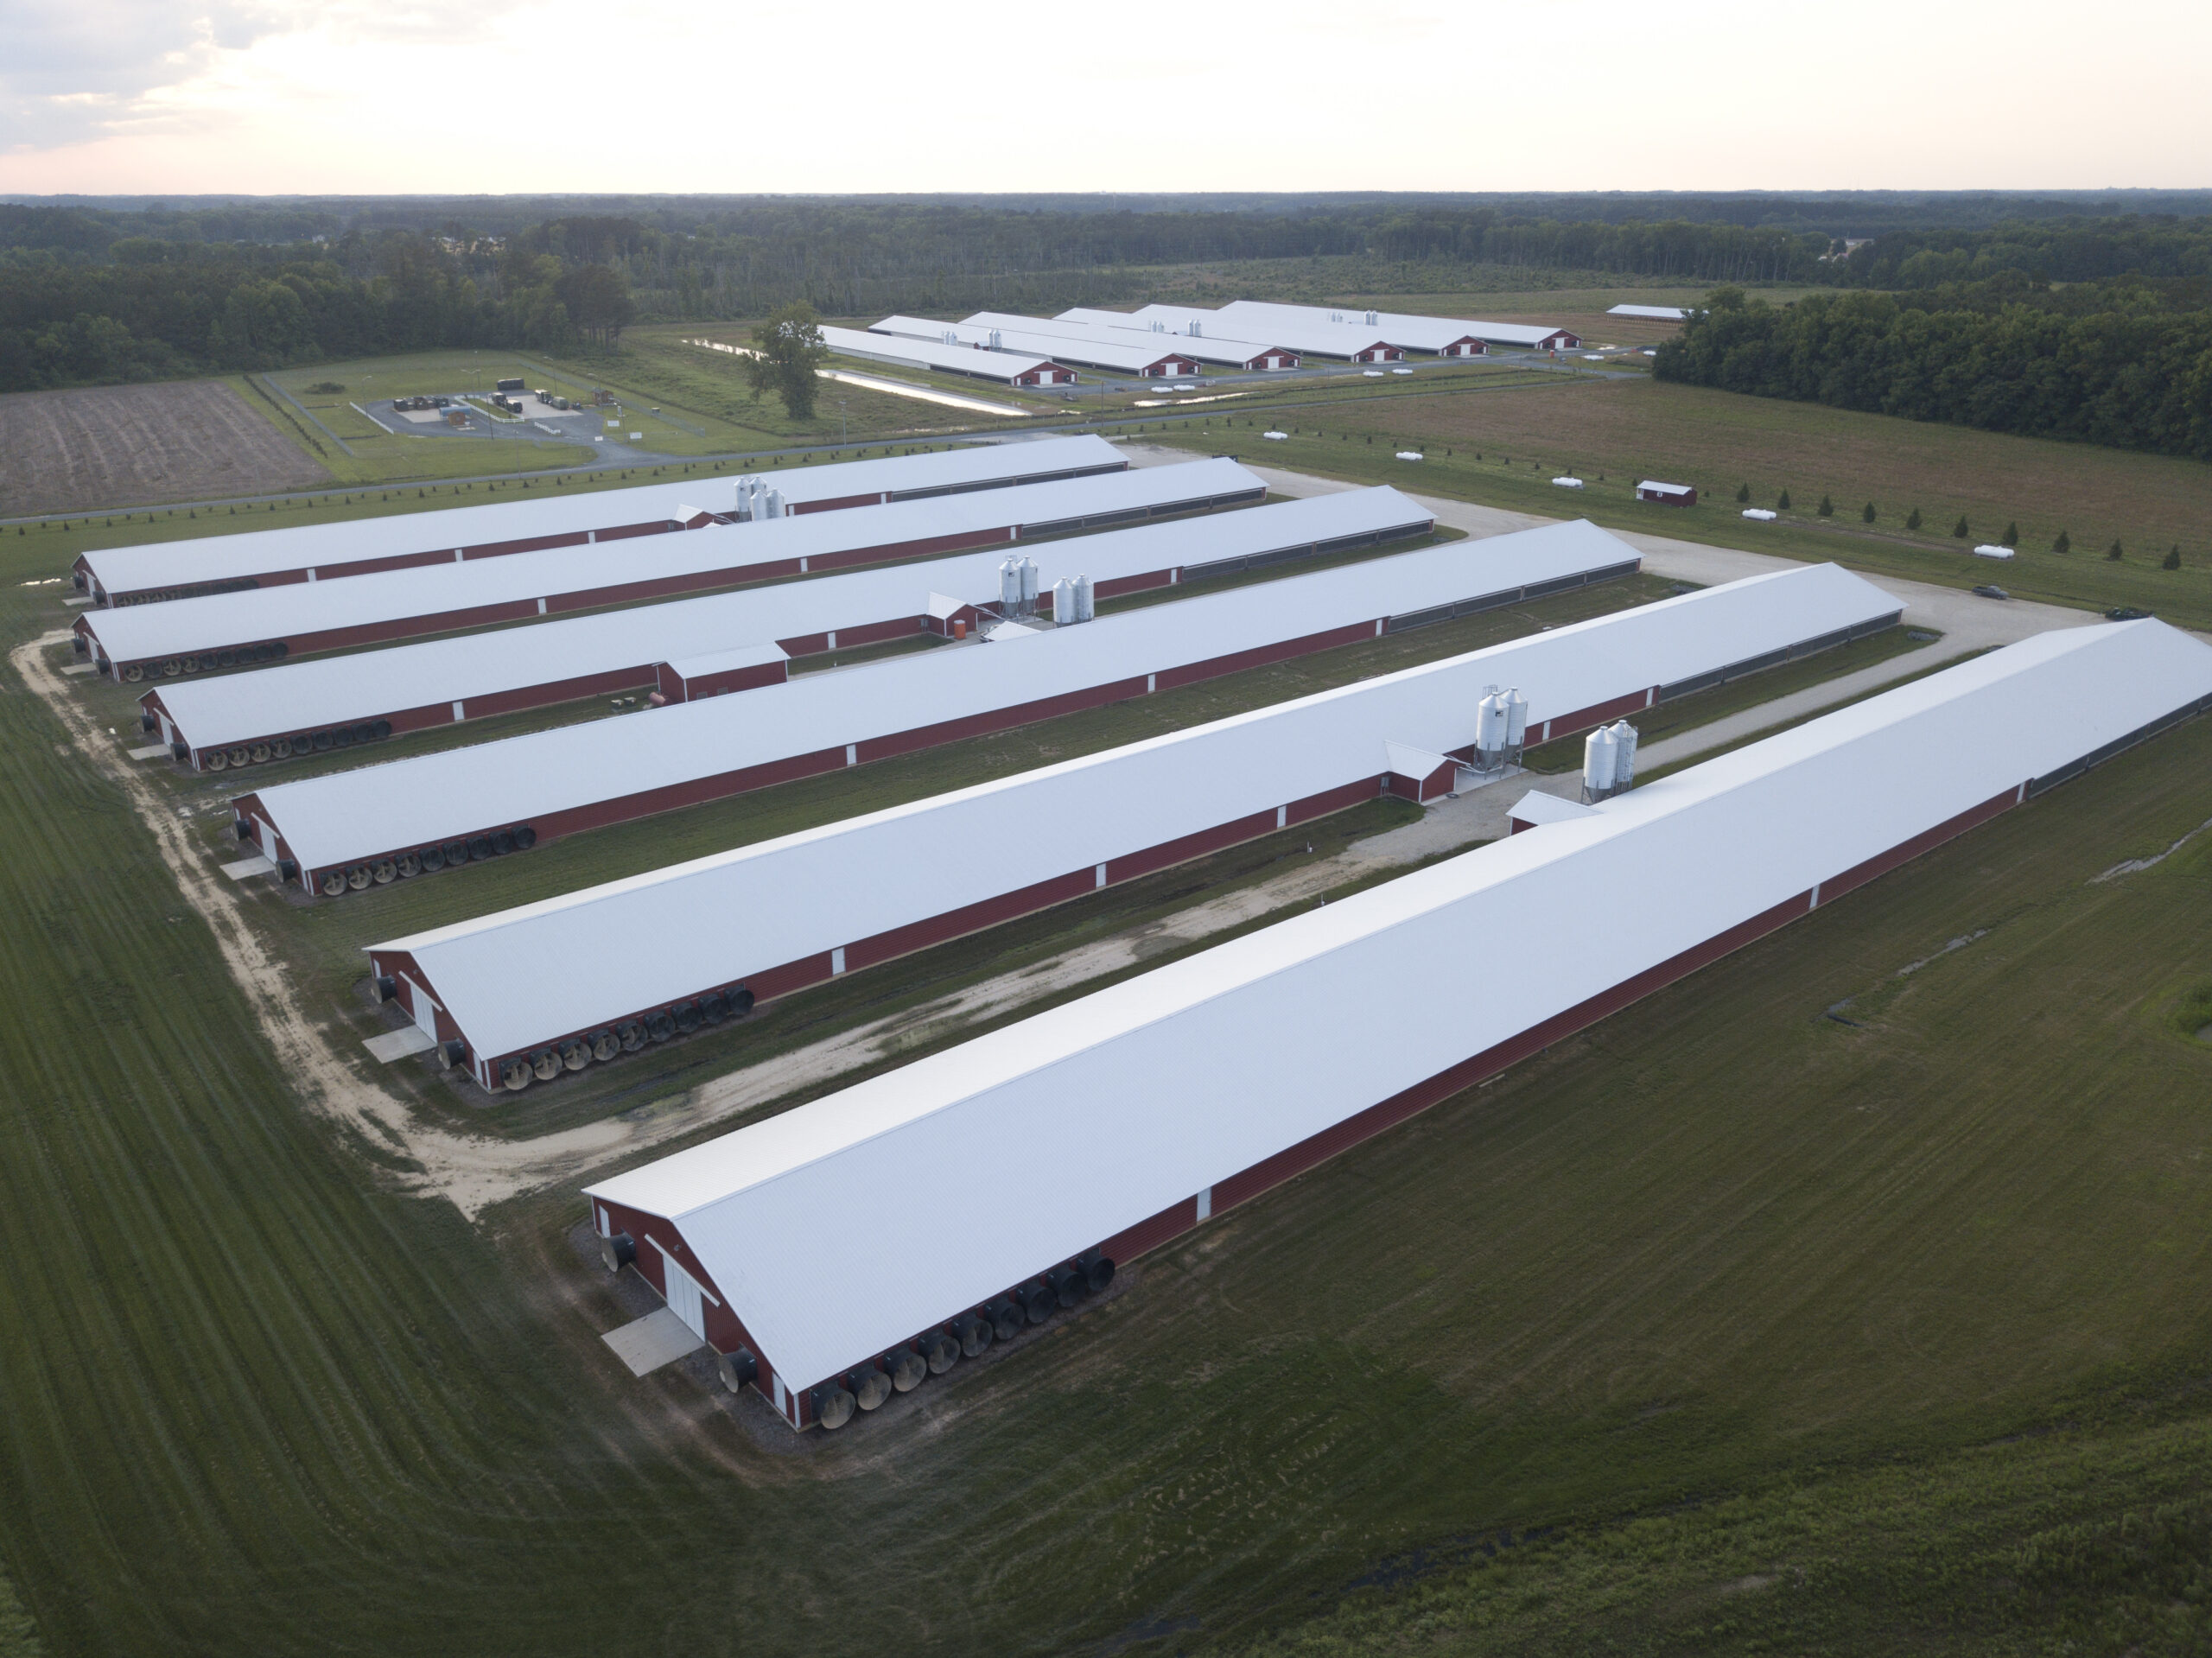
(125, 445)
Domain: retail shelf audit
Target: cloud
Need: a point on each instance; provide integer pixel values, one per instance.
(72, 70)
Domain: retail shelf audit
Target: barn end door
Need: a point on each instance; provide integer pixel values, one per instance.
(425, 1010)
(685, 1299)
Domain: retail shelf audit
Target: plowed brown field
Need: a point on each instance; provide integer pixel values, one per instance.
(126, 445)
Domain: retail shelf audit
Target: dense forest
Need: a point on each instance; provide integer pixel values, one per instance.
(2126, 362)
(96, 292)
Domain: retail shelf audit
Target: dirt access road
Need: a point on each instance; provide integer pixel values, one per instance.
(123, 446)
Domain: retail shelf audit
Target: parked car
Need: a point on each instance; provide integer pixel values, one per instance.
(2126, 613)
(1993, 592)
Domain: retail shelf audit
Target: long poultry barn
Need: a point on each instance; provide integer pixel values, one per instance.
(1446, 336)
(222, 720)
(1008, 368)
(223, 631)
(323, 552)
(560, 984)
(1349, 340)
(1148, 356)
(1084, 327)
(1197, 1086)
(368, 825)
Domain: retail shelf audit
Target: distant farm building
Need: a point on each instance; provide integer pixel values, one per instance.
(1128, 354)
(1666, 494)
(1008, 368)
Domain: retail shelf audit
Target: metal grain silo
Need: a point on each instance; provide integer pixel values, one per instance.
(1600, 753)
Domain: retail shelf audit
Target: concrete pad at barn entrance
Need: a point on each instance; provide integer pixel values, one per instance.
(660, 1337)
(397, 1044)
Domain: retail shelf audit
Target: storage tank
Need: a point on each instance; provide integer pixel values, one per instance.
(1624, 756)
(1009, 585)
(1490, 730)
(1029, 584)
(1516, 724)
(1086, 600)
(1600, 751)
(1064, 602)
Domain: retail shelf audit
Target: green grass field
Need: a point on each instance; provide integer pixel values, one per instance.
(1720, 1247)
(1503, 447)
(1749, 1329)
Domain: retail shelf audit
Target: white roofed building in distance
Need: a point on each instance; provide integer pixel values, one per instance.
(1204, 1082)
(579, 777)
(1307, 335)
(1448, 336)
(1650, 313)
(221, 631)
(1008, 367)
(583, 975)
(1086, 327)
(299, 708)
(170, 569)
(1148, 355)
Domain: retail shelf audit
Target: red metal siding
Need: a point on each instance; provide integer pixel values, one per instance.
(677, 689)
(726, 1331)
(1182, 1217)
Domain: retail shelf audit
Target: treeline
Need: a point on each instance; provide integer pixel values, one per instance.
(153, 309)
(2065, 251)
(2114, 364)
(90, 294)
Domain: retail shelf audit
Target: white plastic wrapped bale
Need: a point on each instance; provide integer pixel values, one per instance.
(555, 782)
(228, 719)
(193, 636)
(769, 919)
(555, 516)
(1203, 1084)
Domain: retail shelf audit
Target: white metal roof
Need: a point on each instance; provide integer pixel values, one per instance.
(1537, 807)
(737, 655)
(1208, 347)
(432, 591)
(1410, 760)
(1174, 1080)
(1093, 348)
(1655, 312)
(225, 708)
(351, 815)
(1665, 489)
(521, 976)
(1312, 334)
(1085, 328)
(353, 541)
(933, 352)
(1402, 328)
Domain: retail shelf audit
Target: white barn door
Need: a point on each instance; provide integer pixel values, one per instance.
(684, 1297)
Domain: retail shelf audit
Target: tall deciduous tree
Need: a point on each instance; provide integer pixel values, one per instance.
(598, 301)
(786, 350)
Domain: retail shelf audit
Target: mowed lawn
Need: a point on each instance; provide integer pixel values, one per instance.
(254, 1398)
(1503, 446)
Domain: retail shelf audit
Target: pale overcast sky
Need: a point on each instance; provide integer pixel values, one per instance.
(311, 96)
